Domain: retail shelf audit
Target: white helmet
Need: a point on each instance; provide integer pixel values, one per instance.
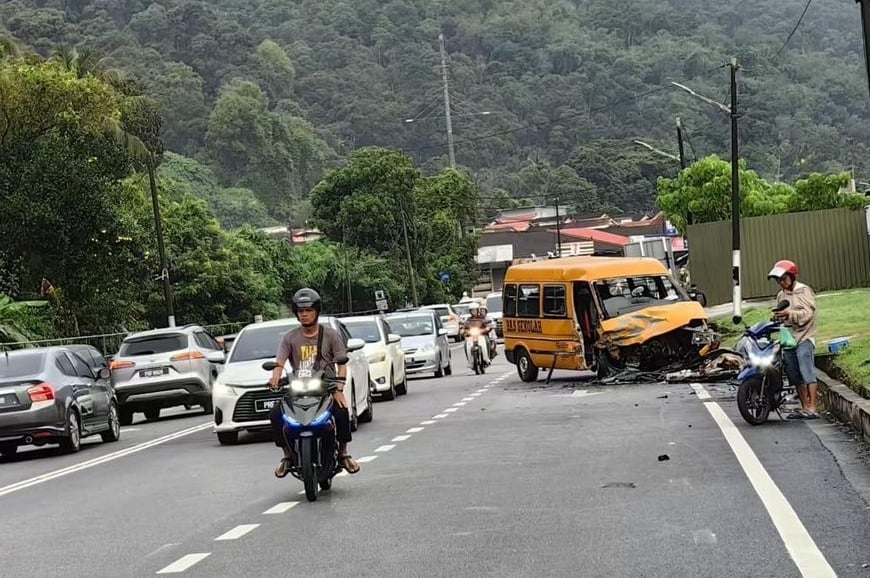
(474, 306)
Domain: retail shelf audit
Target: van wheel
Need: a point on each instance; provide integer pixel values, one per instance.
(527, 370)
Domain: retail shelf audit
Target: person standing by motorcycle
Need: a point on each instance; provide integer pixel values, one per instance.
(800, 319)
(313, 347)
(478, 319)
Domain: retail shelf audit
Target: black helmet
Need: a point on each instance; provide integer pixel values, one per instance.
(306, 299)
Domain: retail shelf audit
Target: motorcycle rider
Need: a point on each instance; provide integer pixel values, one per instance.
(800, 318)
(302, 348)
(478, 319)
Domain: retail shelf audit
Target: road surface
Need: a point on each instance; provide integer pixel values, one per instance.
(465, 476)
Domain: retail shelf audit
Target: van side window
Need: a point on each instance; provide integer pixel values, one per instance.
(555, 301)
(510, 300)
(529, 301)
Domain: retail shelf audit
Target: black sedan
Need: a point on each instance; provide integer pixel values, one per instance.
(53, 396)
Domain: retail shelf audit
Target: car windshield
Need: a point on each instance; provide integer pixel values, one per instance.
(412, 326)
(461, 309)
(365, 330)
(623, 295)
(21, 364)
(493, 303)
(153, 345)
(441, 311)
(258, 343)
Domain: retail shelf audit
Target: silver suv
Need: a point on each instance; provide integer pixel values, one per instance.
(165, 368)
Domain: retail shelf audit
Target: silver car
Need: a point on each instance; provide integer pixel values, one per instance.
(165, 368)
(53, 396)
(424, 341)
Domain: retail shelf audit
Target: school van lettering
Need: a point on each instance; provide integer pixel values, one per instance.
(523, 325)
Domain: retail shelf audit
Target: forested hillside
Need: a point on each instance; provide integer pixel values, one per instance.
(269, 93)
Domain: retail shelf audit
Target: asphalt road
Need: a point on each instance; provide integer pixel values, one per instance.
(465, 476)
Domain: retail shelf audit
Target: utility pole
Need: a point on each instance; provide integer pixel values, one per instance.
(865, 26)
(450, 151)
(689, 219)
(410, 263)
(558, 231)
(737, 297)
(158, 226)
(346, 252)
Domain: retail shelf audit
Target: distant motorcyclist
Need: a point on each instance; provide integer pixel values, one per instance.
(478, 319)
(301, 347)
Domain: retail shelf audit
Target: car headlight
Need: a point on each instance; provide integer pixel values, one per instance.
(220, 388)
(761, 361)
(428, 347)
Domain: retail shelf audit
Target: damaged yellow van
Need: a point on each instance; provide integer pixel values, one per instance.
(599, 314)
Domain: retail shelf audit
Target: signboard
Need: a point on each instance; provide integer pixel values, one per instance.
(495, 254)
(379, 295)
(382, 305)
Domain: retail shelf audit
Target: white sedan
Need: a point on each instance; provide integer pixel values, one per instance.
(384, 351)
(241, 395)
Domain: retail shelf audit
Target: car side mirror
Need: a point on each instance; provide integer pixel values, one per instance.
(216, 357)
(393, 338)
(104, 373)
(355, 344)
(442, 331)
(269, 365)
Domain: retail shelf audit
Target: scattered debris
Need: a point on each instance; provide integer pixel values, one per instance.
(664, 457)
(663, 396)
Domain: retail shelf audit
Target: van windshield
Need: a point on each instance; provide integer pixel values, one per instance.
(621, 295)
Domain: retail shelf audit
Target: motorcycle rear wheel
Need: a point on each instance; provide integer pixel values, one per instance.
(754, 407)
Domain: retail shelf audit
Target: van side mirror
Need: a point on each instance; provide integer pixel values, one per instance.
(355, 344)
(393, 338)
(104, 373)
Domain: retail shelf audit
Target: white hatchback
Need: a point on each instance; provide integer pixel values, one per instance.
(384, 351)
(241, 395)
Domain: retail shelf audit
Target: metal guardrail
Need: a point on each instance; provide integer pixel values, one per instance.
(110, 343)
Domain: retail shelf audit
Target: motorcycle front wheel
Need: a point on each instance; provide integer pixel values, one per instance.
(309, 472)
(754, 403)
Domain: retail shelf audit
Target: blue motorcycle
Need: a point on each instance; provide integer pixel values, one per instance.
(309, 428)
(761, 385)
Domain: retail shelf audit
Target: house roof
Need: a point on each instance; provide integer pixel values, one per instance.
(596, 235)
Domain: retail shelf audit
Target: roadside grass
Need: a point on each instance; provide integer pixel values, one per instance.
(841, 314)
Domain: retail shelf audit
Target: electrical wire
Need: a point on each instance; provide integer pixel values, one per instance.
(793, 30)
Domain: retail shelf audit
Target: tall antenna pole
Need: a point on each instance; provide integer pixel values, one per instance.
(450, 151)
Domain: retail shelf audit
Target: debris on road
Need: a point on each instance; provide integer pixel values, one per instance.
(664, 457)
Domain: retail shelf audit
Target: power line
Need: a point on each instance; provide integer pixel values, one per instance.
(793, 30)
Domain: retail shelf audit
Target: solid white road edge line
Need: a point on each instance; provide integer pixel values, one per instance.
(237, 532)
(5, 490)
(800, 545)
(184, 563)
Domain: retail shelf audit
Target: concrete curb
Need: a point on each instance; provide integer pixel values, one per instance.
(845, 404)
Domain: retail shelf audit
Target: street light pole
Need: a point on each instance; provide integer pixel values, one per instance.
(865, 27)
(558, 231)
(450, 151)
(161, 250)
(737, 297)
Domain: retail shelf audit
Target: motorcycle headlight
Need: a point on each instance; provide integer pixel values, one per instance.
(761, 360)
(304, 386)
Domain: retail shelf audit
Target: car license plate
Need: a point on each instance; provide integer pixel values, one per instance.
(154, 372)
(265, 404)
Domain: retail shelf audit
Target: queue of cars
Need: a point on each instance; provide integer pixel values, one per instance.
(58, 395)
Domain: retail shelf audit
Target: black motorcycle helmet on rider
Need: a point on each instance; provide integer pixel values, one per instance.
(306, 299)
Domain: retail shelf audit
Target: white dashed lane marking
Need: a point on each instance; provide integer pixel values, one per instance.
(414, 430)
(451, 409)
(237, 532)
(439, 416)
(400, 438)
(385, 448)
(427, 422)
(280, 508)
(366, 459)
(184, 563)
